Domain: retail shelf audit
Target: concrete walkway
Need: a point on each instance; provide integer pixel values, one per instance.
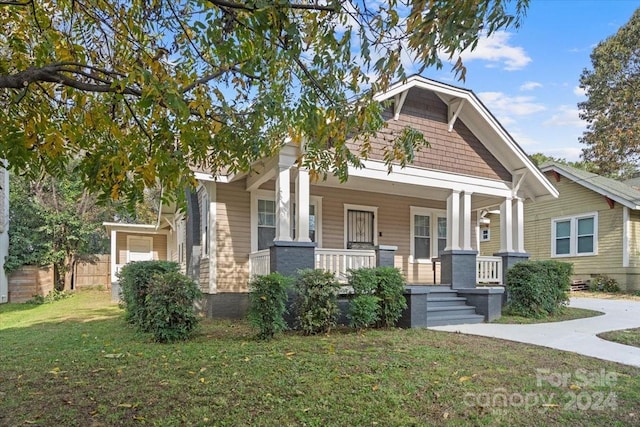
(577, 336)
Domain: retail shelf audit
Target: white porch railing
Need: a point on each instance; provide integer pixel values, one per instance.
(489, 269)
(259, 263)
(338, 261)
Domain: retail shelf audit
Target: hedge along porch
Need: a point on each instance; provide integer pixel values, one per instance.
(275, 219)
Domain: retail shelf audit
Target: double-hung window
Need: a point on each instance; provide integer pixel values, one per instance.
(266, 223)
(265, 217)
(428, 234)
(575, 235)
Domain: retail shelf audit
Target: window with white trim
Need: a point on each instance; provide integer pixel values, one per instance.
(485, 234)
(574, 236)
(266, 223)
(428, 234)
(265, 206)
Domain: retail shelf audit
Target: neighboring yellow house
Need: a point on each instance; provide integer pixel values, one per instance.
(594, 224)
(417, 218)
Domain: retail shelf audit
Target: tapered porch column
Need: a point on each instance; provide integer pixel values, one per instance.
(465, 221)
(302, 206)
(511, 233)
(506, 226)
(453, 221)
(286, 256)
(518, 224)
(458, 261)
(283, 205)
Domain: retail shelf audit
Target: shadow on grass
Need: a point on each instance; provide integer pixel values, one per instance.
(16, 307)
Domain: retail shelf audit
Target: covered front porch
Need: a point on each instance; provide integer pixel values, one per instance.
(424, 222)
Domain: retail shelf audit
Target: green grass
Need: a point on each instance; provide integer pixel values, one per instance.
(568, 313)
(625, 336)
(76, 363)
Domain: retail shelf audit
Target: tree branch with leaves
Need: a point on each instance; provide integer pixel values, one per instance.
(139, 91)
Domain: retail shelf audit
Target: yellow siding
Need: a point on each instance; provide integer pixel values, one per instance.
(575, 199)
(233, 231)
(493, 245)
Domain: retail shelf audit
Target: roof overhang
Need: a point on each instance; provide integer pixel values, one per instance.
(591, 186)
(133, 228)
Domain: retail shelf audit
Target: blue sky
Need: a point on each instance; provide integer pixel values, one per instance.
(529, 77)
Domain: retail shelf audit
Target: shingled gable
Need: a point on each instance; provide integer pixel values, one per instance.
(465, 113)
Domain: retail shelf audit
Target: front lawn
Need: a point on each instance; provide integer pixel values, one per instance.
(567, 313)
(76, 363)
(625, 336)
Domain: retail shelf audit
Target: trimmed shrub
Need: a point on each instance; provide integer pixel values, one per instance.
(390, 290)
(134, 281)
(364, 306)
(603, 283)
(386, 285)
(363, 311)
(538, 288)
(315, 305)
(170, 307)
(268, 304)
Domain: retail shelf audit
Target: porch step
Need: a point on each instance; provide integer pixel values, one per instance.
(437, 306)
(455, 319)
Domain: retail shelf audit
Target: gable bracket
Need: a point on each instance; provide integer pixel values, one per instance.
(610, 202)
(518, 180)
(398, 102)
(453, 115)
(556, 175)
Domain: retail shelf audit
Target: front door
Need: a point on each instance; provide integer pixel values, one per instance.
(360, 229)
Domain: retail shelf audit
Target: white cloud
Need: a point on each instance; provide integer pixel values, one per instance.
(496, 50)
(578, 91)
(501, 104)
(530, 85)
(523, 140)
(571, 154)
(565, 115)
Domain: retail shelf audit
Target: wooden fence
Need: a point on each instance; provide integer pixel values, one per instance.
(30, 280)
(94, 274)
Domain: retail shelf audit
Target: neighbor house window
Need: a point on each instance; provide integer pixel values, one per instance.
(575, 236)
(428, 234)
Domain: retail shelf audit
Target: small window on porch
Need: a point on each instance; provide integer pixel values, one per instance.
(422, 236)
(312, 222)
(428, 234)
(266, 223)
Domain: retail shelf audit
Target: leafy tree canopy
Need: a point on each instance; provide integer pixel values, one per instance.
(141, 91)
(612, 109)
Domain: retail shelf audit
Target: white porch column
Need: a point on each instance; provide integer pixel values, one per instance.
(453, 221)
(465, 221)
(114, 255)
(302, 206)
(283, 205)
(518, 225)
(506, 226)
